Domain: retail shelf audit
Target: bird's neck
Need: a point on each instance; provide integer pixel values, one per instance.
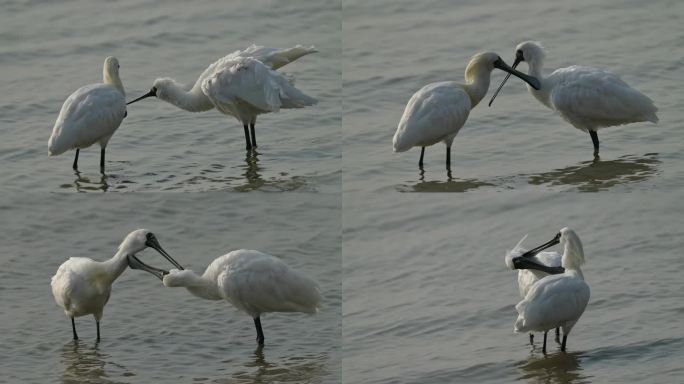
(542, 94)
(115, 266)
(575, 272)
(199, 286)
(113, 80)
(193, 100)
(477, 86)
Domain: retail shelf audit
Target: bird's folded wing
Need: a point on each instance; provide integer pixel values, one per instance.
(244, 80)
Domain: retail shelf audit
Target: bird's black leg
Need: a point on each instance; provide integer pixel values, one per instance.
(565, 339)
(558, 335)
(531, 339)
(448, 158)
(73, 328)
(422, 154)
(249, 143)
(251, 129)
(260, 332)
(75, 166)
(102, 160)
(544, 346)
(594, 139)
(98, 329)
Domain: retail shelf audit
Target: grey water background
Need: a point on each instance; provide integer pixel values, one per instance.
(151, 333)
(394, 47)
(48, 49)
(428, 298)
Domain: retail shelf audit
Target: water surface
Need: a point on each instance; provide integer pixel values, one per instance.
(48, 49)
(393, 48)
(428, 298)
(151, 333)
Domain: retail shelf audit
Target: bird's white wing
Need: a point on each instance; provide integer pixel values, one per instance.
(551, 301)
(248, 83)
(91, 113)
(258, 283)
(591, 98)
(273, 57)
(433, 113)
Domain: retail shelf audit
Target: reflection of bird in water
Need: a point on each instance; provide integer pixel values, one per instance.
(84, 364)
(85, 184)
(596, 175)
(558, 368)
(251, 173)
(451, 185)
(288, 369)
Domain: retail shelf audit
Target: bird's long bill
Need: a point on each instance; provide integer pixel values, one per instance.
(528, 263)
(158, 248)
(531, 80)
(135, 263)
(152, 92)
(534, 251)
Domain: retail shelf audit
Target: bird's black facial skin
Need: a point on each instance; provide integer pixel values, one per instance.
(534, 83)
(154, 244)
(531, 80)
(518, 58)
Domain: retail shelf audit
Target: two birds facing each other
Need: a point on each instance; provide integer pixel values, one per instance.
(554, 293)
(243, 84)
(588, 98)
(252, 281)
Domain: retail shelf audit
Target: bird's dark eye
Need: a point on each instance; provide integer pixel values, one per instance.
(150, 236)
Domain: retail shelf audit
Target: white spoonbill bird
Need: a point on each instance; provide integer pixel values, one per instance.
(252, 281)
(82, 286)
(243, 84)
(438, 111)
(588, 98)
(549, 264)
(555, 300)
(90, 115)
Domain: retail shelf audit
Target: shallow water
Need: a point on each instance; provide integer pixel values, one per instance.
(428, 298)
(50, 48)
(151, 333)
(393, 48)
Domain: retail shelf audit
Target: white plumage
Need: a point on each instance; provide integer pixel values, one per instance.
(82, 286)
(527, 277)
(90, 115)
(438, 111)
(243, 84)
(253, 282)
(586, 97)
(557, 300)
